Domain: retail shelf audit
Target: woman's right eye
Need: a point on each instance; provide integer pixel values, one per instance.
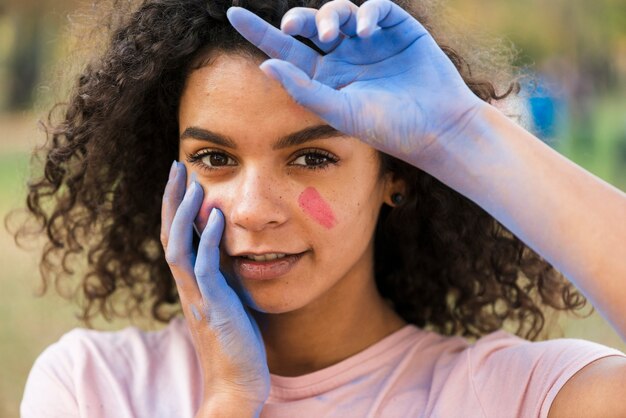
(211, 160)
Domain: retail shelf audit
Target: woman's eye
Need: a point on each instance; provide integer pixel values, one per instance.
(216, 159)
(210, 160)
(314, 160)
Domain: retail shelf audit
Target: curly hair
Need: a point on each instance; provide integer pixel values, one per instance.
(443, 262)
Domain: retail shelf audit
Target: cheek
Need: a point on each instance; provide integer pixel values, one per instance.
(316, 207)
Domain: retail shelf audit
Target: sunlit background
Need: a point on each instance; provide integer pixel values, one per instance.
(575, 51)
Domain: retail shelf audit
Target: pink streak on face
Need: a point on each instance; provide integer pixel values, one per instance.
(315, 206)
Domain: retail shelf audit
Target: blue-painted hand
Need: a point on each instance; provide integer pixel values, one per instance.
(383, 78)
(226, 337)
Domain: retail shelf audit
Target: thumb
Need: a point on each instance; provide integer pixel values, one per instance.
(326, 102)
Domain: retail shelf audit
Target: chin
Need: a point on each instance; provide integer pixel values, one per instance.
(271, 304)
(275, 296)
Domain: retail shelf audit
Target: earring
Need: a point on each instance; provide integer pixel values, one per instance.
(397, 198)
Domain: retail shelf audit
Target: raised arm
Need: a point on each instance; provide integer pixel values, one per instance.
(573, 219)
(385, 80)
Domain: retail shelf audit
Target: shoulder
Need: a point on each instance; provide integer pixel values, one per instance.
(85, 366)
(597, 390)
(121, 350)
(81, 347)
(537, 372)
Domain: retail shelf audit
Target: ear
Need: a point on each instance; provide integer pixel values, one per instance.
(393, 184)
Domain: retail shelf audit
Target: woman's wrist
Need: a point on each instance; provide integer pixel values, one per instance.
(461, 161)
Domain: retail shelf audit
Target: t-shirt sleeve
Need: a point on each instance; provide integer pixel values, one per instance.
(123, 374)
(49, 390)
(513, 377)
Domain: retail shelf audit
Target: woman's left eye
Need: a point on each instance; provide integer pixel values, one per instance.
(314, 160)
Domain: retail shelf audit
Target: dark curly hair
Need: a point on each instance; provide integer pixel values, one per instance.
(444, 262)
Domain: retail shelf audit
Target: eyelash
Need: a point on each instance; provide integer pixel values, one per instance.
(196, 159)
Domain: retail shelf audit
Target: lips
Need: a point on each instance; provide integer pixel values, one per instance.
(260, 253)
(265, 270)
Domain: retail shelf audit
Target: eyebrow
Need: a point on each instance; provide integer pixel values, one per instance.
(293, 139)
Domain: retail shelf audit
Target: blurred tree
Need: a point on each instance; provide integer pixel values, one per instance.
(25, 63)
(27, 20)
(585, 33)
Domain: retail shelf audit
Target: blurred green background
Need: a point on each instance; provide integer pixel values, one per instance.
(575, 50)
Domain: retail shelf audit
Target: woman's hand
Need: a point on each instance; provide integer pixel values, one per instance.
(383, 78)
(226, 337)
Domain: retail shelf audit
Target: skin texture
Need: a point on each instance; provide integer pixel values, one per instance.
(316, 314)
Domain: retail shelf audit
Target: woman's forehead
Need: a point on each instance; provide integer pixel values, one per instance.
(233, 98)
(233, 93)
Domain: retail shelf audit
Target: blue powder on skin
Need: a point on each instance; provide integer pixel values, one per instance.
(195, 312)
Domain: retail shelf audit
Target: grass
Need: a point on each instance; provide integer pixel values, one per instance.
(29, 324)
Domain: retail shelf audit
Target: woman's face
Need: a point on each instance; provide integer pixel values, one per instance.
(282, 186)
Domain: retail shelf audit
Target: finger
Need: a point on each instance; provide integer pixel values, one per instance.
(300, 21)
(335, 17)
(382, 13)
(172, 196)
(211, 282)
(271, 40)
(328, 103)
(221, 302)
(180, 253)
(209, 263)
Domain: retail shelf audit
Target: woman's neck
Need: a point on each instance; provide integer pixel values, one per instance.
(345, 321)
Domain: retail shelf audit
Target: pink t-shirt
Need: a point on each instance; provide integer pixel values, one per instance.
(410, 373)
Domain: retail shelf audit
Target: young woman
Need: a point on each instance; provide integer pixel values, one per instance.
(361, 206)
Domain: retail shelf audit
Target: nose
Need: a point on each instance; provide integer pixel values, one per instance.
(258, 202)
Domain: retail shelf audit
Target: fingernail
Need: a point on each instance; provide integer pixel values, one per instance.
(270, 71)
(324, 30)
(172, 171)
(193, 186)
(363, 28)
(212, 216)
(360, 25)
(287, 20)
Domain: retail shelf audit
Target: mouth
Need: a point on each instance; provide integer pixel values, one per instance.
(265, 257)
(265, 266)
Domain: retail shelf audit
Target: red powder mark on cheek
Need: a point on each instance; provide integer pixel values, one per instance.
(315, 206)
